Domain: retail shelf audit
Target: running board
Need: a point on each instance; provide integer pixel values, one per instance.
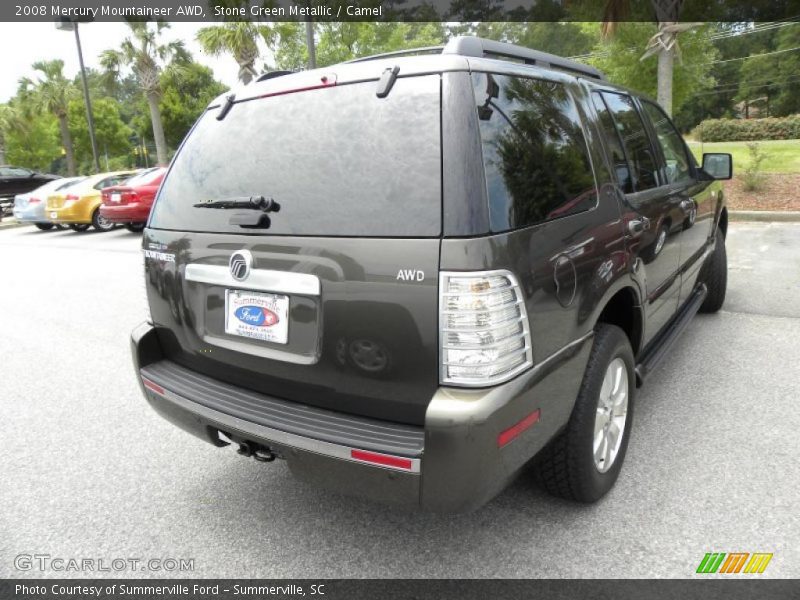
(661, 345)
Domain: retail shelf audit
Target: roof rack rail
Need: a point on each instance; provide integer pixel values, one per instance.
(465, 45)
(272, 74)
(409, 52)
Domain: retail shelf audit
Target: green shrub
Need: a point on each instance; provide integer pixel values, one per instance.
(748, 130)
(752, 177)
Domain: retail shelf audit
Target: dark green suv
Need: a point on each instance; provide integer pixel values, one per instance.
(412, 275)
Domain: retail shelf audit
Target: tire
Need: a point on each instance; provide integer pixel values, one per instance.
(714, 273)
(135, 227)
(79, 226)
(567, 467)
(44, 226)
(100, 223)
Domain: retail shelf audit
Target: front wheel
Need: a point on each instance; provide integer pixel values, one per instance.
(714, 273)
(584, 461)
(100, 223)
(79, 226)
(44, 226)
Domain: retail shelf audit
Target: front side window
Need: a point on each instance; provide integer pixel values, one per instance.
(619, 161)
(631, 131)
(535, 155)
(678, 168)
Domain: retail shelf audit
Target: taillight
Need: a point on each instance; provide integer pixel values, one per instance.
(484, 335)
(70, 198)
(34, 200)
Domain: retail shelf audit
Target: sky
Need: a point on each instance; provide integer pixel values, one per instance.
(21, 44)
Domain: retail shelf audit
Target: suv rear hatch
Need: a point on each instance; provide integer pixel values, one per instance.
(338, 308)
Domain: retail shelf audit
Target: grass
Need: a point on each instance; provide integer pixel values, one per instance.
(783, 156)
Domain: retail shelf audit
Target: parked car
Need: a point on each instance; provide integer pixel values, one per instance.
(30, 207)
(420, 275)
(79, 206)
(130, 204)
(18, 180)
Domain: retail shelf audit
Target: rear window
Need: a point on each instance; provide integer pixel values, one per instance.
(339, 161)
(145, 178)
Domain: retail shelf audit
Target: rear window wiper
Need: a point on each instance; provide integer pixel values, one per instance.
(245, 202)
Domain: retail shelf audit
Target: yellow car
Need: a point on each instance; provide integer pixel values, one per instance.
(79, 205)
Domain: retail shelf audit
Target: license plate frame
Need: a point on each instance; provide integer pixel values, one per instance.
(260, 316)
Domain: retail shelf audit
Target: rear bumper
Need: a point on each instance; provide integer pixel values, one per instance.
(135, 212)
(80, 212)
(30, 213)
(452, 464)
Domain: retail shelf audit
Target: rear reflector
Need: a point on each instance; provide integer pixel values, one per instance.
(152, 386)
(509, 434)
(381, 459)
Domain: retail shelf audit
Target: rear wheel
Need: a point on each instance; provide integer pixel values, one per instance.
(714, 273)
(44, 226)
(584, 461)
(135, 227)
(79, 226)
(100, 223)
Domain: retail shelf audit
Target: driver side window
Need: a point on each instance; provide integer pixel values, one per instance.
(678, 167)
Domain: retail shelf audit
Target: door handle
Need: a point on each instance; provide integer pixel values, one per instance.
(638, 226)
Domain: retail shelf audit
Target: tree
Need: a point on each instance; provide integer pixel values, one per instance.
(619, 58)
(240, 39)
(11, 120)
(35, 143)
(143, 53)
(52, 92)
(186, 92)
(663, 43)
(111, 132)
(340, 41)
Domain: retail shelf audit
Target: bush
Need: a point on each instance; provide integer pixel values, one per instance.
(752, 177)
(748, 130)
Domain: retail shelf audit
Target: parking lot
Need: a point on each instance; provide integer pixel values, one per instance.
(89, 470)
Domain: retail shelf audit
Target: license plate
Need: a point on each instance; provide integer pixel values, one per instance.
(53, 215)
(258, 316)
(116, 197)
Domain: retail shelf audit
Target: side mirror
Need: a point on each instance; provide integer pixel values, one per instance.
(718, 165)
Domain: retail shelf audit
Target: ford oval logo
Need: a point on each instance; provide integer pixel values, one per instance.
(257, 316)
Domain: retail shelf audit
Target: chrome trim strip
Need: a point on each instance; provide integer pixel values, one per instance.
(278, 436)
(261, 351)
(265, 280)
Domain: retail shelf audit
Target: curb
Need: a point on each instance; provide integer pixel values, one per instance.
(764, 215)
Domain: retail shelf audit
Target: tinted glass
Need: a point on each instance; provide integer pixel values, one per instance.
(534, 151)
(619, 161)
(678, 169)
(634, 138)
(338, 160)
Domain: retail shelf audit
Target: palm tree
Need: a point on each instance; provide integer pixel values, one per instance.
(52, 92)
(142, 52)
(239, 39)
(663, 44)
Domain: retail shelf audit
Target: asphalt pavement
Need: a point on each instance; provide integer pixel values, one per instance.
(89, 471)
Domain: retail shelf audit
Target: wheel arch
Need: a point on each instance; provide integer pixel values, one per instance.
(623, 308)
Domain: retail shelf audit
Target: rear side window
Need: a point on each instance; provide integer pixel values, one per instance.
(678, 169)
(339, 161)
(629, 127)
(535, 155)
